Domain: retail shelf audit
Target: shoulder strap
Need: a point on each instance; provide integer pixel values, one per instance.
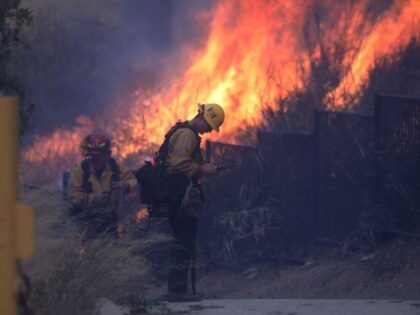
(87, 186)
(163, 150)
(114, 168)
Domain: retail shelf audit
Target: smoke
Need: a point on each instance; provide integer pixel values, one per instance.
(131, 67)
(85, 56)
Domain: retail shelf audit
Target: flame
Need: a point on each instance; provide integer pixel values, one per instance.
(141, 215)
(254, 54)
(394, 30)
(61, 143)
(240, 67)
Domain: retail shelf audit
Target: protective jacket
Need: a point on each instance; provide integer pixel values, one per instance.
(81, 189)
(184, 154)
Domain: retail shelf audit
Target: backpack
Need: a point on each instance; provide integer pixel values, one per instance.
(154, 182)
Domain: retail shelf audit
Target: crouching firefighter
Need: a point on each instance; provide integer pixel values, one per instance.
(170, 184)
(95, 188)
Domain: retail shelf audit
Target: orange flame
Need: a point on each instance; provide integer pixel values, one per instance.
(141, 215)
(253, 55)
(394, 30)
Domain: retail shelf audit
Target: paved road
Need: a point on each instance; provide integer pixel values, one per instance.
(292, 307)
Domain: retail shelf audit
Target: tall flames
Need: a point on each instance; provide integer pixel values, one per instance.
(255, 52)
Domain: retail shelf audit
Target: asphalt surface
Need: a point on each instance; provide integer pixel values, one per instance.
(291, 307)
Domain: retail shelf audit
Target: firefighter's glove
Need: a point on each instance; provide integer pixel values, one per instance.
(191, 197)
(208, 169)
(99, 199)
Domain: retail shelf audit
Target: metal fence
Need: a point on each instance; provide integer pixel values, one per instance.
(287, 168)
(342, 178)
(397, 142)
(231, 187)
(230, 155)
(231, 191)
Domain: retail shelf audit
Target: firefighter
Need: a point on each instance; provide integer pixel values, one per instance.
(184, 165)
(95, 188)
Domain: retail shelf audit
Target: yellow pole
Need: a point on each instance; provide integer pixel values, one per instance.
(16, 221)
(8, 199)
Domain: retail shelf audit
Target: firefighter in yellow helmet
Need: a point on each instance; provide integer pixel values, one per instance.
(95, 186)
(185, 165)
(213, 114)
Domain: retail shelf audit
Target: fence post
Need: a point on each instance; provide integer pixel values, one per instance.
(316, 173)
(377, 153)
(208, 151)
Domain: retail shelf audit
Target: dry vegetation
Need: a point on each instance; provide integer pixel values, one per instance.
(64, 281)
(396, 73)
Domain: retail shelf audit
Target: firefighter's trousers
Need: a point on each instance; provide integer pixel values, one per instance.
(184, 227)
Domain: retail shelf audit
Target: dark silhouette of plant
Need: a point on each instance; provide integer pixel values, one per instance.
(13, 18)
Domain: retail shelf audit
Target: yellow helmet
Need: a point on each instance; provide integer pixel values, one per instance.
(213, 114)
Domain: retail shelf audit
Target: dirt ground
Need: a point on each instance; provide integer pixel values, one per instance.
(391, 272)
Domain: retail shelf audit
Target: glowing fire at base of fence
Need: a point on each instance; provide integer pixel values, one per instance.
(141, 215)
